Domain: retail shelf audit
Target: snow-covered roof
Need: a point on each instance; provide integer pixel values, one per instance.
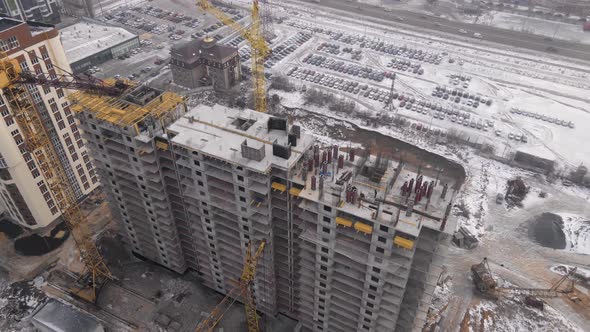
(214, 131)
(538, 151)
(88, 37)
(57, 317)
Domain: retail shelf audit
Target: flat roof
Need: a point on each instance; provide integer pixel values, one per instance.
(538, 151)
(193, 50)
(212, 131)
(88, 37)
(8, 23)
(58, 317)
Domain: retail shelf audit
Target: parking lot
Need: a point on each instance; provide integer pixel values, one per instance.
(159, 21)
(345, 68)
(362, 67)
(339, 84)
(159, 27)
(352, 64)
(541, 117)
(286, 48)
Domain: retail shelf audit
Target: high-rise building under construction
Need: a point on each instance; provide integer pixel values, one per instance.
(354, 242)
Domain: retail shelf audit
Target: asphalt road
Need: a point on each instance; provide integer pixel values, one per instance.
(492, 34)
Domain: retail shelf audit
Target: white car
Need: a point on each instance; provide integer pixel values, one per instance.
(477, 35)
(463, 31)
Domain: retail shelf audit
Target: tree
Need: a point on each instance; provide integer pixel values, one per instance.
(241, 103)
(282, 83)
(275, 100)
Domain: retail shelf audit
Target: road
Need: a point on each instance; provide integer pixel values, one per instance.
(492, 34)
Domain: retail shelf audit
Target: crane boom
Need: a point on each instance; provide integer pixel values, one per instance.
(244, 289)
(38, 143)
(259, 46)
(88, 84)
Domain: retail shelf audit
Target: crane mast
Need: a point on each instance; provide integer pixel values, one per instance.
(38, 143)
(243, 289)
(258, 45)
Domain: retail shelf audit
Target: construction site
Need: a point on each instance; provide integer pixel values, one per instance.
(270, 172)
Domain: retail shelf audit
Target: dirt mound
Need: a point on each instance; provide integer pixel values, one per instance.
(547, 230)
(36, 245)
(11, 230)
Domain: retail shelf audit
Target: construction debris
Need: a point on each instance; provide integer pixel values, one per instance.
(464, 239)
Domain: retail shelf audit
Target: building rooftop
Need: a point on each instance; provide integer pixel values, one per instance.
(251, 139)
(538, 151)
(8, 23)
(377, 183)
(58, 317)
(88, 37)
(193, 50)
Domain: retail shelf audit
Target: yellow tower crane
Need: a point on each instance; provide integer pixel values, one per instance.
(38, 143)
(243, 289)
(259, 46)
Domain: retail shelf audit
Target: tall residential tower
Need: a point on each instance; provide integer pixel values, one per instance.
(45, 11)
(23, 189)
(354, 241)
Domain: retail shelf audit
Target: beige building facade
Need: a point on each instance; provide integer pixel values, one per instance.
(24, 192)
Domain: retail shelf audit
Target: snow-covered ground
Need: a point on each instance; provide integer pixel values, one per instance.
(549, 87)
(552, 29)
(512, 315)
(564, 269)
(577, 232)
(486, 179)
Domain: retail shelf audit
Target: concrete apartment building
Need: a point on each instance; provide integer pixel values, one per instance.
(203, 62)
(354, 242)
(23, 189)
(45, 11)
